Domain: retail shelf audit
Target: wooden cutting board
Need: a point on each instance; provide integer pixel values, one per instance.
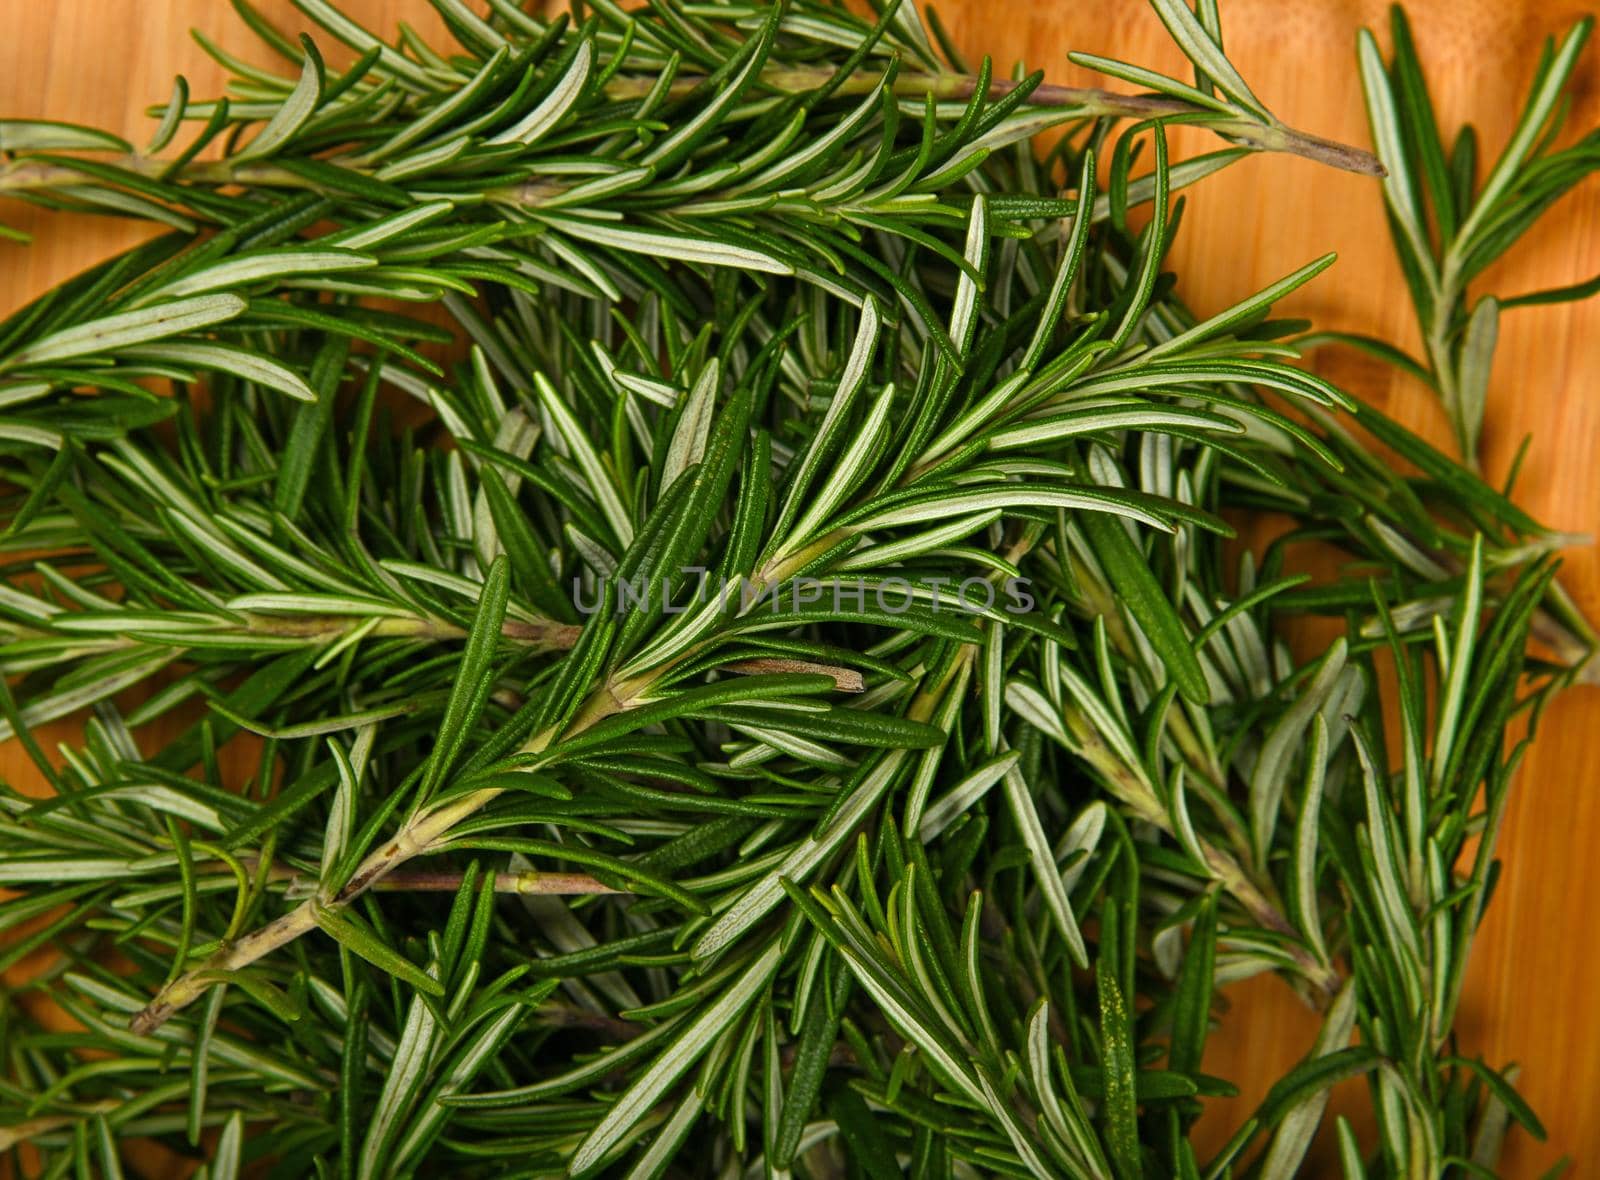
(1537, 959)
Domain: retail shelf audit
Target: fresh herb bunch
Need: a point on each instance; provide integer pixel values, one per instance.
(844, 871)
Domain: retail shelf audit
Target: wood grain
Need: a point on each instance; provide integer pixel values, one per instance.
(100, 62)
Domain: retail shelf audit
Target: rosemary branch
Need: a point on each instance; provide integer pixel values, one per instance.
(27, 175)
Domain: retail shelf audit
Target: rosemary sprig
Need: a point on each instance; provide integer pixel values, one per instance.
(1449, 224)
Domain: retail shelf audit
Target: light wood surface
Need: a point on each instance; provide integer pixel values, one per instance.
(1533, 981)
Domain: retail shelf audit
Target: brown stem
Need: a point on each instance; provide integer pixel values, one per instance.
(234, 956)
(844, 679)
(537, 632)
(1273, 137)
(431, 881)
(188, 988)
(532, 881)
(571, 1016)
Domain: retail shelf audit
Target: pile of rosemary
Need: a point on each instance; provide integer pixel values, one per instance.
(691, 568)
